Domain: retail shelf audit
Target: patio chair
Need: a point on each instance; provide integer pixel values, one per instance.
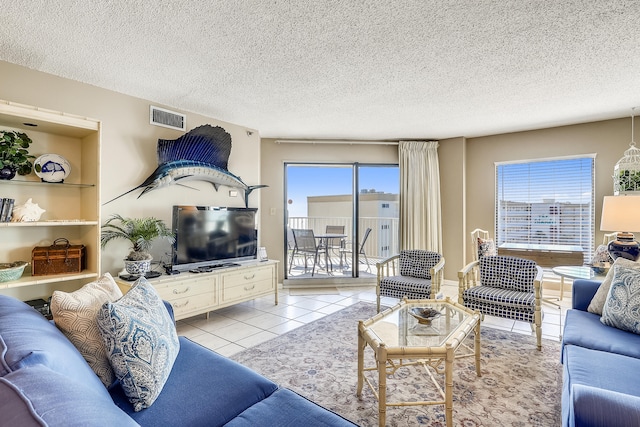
(305, 245)
(509, 287)
(415, 274)
(348, 251)
(334, 245)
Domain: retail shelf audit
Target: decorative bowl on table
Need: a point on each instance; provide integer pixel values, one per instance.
(600, 267)
(12, 270)
(424, 315)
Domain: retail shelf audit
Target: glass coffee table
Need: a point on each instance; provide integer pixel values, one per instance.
(400, 337)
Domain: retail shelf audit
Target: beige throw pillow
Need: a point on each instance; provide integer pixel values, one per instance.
(597, 303)
(75, 314)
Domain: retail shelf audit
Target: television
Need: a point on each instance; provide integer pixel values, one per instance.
(208, 237)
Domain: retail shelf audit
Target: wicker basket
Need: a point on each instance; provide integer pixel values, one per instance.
(12, 271)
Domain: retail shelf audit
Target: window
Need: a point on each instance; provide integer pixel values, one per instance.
(547, 202)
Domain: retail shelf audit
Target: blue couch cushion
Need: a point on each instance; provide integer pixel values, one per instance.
(585, 329)
(285, 408)
(600, 370)
(37, 396)
(27, 338)
(203, 389)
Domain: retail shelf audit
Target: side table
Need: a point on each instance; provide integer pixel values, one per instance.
(575, 272)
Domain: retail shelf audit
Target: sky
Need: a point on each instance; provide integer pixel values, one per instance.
(305, 180)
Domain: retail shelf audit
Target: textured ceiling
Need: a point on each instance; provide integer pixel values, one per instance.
(346, 69)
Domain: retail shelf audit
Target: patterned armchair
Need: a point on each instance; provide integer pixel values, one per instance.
(415, 274)
(509, 287)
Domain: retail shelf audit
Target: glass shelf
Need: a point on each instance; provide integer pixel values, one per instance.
(69, 222)
(42, 183)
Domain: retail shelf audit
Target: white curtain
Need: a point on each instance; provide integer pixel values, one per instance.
(420, 216)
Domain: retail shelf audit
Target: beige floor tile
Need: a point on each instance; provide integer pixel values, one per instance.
(230, 349)
(210, 341)
(285, 327)
(236, 331)
(256, 339)
(265, 320)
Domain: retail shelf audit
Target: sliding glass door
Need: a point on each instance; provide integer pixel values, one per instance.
(341, 219)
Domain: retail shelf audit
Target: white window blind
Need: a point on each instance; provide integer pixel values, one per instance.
(548, 202)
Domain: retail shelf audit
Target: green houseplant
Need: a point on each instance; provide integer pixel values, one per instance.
(140, 232)
(14, 154)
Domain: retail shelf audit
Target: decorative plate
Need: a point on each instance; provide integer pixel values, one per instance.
(52, 168)
(424, 315)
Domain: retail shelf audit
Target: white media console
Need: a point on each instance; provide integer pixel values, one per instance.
(191, 293)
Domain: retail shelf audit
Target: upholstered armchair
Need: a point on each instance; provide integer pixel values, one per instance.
(508, 287)
(415, 274)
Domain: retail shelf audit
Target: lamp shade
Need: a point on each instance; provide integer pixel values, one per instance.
(620, 213)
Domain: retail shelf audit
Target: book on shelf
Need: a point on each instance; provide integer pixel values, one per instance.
(10, 210)
(6, 210)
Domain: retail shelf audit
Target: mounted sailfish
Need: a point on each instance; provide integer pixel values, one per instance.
(201, 154)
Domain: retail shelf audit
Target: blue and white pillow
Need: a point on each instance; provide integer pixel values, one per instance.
(141, 342)
(622, 306)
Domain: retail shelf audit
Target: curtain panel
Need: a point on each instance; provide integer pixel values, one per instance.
(420, 211)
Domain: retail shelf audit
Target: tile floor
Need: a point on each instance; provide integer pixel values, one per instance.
(232, 329)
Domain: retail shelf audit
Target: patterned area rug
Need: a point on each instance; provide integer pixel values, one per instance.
(519, 387)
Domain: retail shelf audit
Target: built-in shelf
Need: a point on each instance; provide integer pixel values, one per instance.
(28, 280)
(71, 208)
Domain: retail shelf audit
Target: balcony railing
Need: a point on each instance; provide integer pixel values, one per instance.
(383, 241)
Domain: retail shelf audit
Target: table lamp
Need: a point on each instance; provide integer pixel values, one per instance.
(622, 213)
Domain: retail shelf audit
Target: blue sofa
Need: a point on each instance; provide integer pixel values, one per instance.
(601, 367)
(44, 380)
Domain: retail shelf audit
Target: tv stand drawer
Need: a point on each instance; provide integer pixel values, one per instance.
(243, 284)
(187, 288)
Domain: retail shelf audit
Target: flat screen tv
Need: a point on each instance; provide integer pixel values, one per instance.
(210, 236)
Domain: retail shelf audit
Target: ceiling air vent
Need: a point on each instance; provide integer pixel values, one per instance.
(168, 119)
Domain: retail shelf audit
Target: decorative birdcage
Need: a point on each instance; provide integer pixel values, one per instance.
(626, 173)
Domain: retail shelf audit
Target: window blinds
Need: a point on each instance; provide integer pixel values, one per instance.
(548, 202)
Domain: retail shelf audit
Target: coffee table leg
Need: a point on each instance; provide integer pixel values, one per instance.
(361, 346)
(382, 386)
(448, 386)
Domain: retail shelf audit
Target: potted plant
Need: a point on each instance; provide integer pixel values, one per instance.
(14, 154)
(140, 232)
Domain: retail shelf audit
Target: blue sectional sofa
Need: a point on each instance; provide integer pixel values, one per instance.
(601, 367)
(45, 381)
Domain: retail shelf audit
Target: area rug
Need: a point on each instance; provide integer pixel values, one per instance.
(520, 386)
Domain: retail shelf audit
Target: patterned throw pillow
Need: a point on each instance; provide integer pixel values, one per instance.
(486, 247)
(622, 307)
(75, 314)
(601, 255)
(597, 302)
(141, 342)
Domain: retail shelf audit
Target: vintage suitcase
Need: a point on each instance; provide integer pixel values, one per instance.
(59, 258)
